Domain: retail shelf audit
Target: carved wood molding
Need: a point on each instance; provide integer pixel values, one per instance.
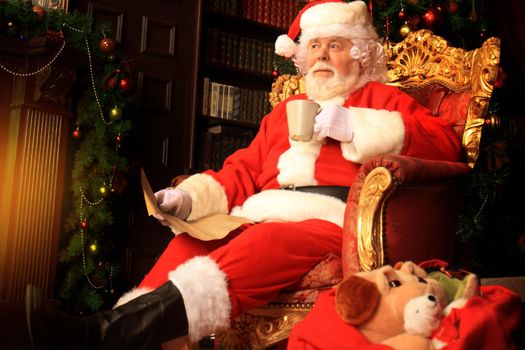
(484, 74)
(252, 331)
(285, 86)
(423, 59)
(375, 192)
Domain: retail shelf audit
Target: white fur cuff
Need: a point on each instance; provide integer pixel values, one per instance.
(204, 289)
(376, 132)
(207, 195)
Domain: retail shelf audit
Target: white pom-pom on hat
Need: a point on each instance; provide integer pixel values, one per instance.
(285, 46)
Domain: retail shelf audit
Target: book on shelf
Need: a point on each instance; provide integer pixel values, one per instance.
(234, 103)
(242, 52)
(214, 99)
(211, 50)
(206, 96)
(220, 103)
(221, 141)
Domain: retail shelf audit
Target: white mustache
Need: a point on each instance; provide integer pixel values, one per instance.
(321, 66)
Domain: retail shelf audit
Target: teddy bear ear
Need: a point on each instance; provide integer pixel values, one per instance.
(410, 268)
(356, 300)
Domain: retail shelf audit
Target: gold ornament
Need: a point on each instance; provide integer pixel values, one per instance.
(404, 30)
(115, 113)
(93, 247)
(103, 191)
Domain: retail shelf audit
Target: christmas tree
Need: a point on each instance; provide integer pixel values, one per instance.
(89, 262)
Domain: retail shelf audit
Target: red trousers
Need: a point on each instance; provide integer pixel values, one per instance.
(259, 260)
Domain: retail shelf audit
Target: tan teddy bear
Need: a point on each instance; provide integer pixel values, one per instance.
(398, 307)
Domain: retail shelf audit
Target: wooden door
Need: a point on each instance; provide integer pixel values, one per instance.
(162, 37)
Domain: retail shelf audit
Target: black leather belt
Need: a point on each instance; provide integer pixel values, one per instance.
(340, 192)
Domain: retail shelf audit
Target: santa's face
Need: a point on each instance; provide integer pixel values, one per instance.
(333, 50)
(331, 70)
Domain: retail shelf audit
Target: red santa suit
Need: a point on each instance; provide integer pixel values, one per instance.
(294, 230)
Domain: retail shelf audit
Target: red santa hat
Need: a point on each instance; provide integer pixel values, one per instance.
(327, 18)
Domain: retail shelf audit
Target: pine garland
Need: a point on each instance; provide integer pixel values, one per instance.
(89, 262)
(461, 22)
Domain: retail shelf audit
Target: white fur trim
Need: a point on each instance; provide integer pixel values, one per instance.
(285, 46)
(207, 195)
(132, 294)
(297, 164)
(376, 132)
(283, 205)
(339, 30)
(204, 289)
(355, 12)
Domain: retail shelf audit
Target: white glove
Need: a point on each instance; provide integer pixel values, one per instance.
(175, 202)
(334, 121)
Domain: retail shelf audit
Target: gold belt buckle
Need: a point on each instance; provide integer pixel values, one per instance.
(288, 187)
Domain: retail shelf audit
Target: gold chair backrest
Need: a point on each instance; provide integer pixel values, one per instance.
(454, 83)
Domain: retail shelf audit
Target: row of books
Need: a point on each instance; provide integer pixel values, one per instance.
(277, 13)
(233, 102)
(239, 52)
(220, 141)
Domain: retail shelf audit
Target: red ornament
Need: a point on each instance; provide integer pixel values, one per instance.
(275, 73)
(40, 12)
(452, 7)
(76, 133)
(84, 225)
(127, 84)
(107, 45)
(429, 17)
(118, 139)
(402, 14)
(111, 81)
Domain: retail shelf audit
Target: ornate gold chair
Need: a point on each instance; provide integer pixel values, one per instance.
(399, 208)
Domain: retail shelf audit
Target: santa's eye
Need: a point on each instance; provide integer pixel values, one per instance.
(421, 280)
(394, 283)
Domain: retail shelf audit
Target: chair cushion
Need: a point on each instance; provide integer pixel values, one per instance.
(324, 275)
(447, 104)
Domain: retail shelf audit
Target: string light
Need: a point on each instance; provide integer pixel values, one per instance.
(92, 76)
(38, 71)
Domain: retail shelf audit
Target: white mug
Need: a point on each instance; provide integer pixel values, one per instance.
(301, 117)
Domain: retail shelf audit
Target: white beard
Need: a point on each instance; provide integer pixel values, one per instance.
(322, 89)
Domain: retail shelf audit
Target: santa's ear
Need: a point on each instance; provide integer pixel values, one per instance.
(356, 300)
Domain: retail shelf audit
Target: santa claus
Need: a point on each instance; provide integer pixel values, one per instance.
(289, 188)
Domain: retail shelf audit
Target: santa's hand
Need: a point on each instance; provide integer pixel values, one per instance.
(175, 202)
(334, 121)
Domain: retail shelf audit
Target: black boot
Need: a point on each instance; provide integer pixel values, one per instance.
(142, 323)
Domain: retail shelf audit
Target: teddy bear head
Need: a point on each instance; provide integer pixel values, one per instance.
(389, 301)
